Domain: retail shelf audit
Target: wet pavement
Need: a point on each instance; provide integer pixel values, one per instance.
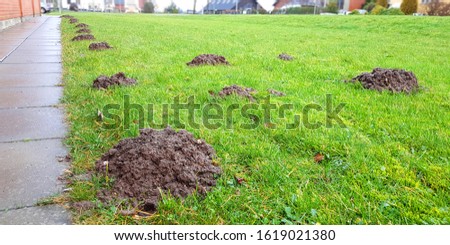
(33, 129)
(40, 215)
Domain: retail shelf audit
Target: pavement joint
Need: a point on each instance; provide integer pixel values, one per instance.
(31, 140)
(34, 86)
(29, 107)
(18, 208)
(36, 62)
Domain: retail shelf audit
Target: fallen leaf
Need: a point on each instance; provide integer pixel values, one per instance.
(318, 158)
(240, 180)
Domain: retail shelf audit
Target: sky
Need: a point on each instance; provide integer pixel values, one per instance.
(189, 4)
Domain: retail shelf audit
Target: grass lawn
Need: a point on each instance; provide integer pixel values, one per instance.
(390, 164)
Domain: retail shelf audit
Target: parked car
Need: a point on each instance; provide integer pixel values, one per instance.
(74, 7)
(45, 7)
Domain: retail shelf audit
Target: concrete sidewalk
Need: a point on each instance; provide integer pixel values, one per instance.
(32, 125)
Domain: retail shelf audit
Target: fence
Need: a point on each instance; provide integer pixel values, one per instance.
(15, 11)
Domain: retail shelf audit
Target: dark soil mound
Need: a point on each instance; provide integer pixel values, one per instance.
(83, 37)
(73, 20)
(208, 59)
(82, 25)
(84, 30)
(285, 57)
(67, 16)
(158, 162)
(104, 82)
(99, 46)
(237, 90)
(276, 93)
(395, 80)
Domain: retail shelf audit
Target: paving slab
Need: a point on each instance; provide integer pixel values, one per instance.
(29, 97)
(23, 59)
(29, 80)
(31, 123)
(19, 30)
(5, 50)
(30, 171)
(44, 215)
(46, 33)
(7, 37)
(33, 47)
(11, 42)
(41, 42)
(10, 34)
(40, 47)
(29, 68)
(37, 52)
(44, 37)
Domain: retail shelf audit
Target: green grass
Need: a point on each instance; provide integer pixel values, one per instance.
(390, 165)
